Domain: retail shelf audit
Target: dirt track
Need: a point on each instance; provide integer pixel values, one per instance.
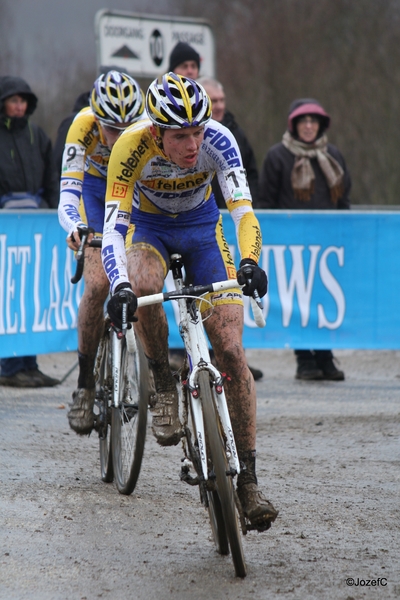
(328, 457)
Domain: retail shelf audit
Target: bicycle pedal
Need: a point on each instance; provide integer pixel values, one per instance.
(187, 478)
(260, 527)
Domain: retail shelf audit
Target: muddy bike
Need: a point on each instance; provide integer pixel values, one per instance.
(122, 393)
(210, 458)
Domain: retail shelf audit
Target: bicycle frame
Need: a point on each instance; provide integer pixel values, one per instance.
(193, 335)
(192, 332)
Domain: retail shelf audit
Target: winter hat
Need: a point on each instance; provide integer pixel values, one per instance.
(181, 53)
(307, 106)
(11, 86)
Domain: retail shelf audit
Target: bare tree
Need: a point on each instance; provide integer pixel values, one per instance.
(344, 53)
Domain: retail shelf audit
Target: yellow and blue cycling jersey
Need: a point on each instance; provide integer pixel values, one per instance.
(169, 209)
(83, 174)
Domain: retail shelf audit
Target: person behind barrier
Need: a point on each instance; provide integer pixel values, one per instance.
(216, 92)
(116, 101)
(28, 179)
(306, 172)
(159, 180)
(184, 60)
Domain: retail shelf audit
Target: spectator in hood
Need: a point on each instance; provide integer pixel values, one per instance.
(185, 61)
(306, 172)
(82, 101)
(28, 179)
(219, 113)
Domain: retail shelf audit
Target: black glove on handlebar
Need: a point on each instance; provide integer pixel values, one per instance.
(123, 294)
(253, 276)
(84, 230)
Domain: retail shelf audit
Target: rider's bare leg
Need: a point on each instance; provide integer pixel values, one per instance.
(146, 274)
(90, 315)
(90, 328)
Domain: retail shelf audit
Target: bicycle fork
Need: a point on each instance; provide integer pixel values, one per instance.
(116, 341)
(220, 400)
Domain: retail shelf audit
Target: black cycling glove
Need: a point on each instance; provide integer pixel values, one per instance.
(123, 294)
(250, 271)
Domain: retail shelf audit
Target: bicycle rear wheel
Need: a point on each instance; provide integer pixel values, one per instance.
(104, 386)
(129, 419)
(223, 481)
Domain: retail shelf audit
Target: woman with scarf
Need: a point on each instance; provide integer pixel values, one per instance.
(305, 172)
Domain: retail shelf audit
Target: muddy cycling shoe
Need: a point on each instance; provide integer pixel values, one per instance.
(256, 508)
(166, 425)
(80, 415)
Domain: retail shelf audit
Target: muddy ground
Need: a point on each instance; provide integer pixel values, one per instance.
(328, 458)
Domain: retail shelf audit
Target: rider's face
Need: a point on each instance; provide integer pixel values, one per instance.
(112, 132)
(182, 145)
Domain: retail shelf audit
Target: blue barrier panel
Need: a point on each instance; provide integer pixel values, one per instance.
(334, 279)
(38, 303)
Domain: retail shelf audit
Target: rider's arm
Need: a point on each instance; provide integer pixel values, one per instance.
(77, 145)
(222, 148)
(121, 181)
(234, 186)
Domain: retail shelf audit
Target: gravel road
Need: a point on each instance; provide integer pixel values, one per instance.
(328, 458)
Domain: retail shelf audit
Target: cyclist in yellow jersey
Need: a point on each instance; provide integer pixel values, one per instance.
(159, 182)
(116, 101)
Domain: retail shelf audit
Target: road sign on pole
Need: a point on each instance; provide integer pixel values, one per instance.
(141, 44)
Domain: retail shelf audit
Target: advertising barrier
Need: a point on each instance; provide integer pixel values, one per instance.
(334, 281)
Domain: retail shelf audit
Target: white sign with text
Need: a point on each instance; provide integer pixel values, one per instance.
(141, 44)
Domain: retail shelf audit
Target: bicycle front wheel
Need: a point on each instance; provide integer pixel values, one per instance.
(223, 480)
(217, 523)
(129, 419)
(104, 386)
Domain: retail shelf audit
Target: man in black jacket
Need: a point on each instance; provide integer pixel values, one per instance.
(28, 179)
(305, 172)
(184, 60)
(219, 112)
(216, 93)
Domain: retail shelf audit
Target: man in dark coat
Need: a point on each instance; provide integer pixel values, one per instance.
(304, 171)
(28, 179)
(184, 60)
(26, 162)
(219, 112)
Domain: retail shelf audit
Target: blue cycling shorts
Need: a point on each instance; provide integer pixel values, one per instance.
(93, 194)
(197, 236)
